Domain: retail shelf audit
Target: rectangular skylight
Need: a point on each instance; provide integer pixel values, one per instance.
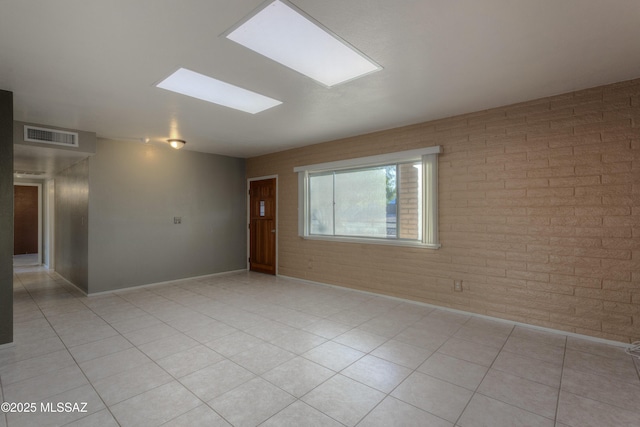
(284, 34)
(196, 85)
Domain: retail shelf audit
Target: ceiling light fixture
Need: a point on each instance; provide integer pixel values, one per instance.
(176, 143)
(285, 34)
(196, 85)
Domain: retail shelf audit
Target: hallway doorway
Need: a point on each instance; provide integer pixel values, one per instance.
(27, 229)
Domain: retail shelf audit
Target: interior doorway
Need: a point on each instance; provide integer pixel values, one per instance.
(27, 229)
(263, 224)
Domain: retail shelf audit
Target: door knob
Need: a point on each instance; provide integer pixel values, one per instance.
(273, 231)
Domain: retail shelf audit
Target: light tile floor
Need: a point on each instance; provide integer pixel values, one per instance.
(247, 349)
(25, 260)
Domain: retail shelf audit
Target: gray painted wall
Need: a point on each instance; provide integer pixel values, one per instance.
(135, 192)
(6, 217)
(71, 219)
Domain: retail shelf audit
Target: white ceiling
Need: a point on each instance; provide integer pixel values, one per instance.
(92, 65)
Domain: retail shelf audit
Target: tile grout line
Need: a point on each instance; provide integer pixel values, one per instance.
(387, 395)
(119, 334)
(4, 414)
(228, 359)
(335, 373)
(354, 327)
(185, 303)
(153, 360)
(71, 355)
(475, 391)
(564, 358)
(203, 402)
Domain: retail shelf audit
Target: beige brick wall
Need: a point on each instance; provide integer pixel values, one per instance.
(539, 214)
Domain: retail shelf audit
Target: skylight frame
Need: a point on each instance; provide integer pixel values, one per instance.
(341, 43)
(236, 102)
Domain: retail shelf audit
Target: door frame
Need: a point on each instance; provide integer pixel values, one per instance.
(249, 180)
(50, 217)
(39, 185)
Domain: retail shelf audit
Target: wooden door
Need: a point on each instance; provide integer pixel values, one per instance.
(25, 221)
(262, 226)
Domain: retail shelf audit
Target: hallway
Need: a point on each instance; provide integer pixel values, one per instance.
(26, 260)
(247, 349)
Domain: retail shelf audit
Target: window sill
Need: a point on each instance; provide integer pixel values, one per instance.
(405, 243)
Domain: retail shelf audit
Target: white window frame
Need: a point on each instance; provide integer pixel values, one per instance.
(429, 158)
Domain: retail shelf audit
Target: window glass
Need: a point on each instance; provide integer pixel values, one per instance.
(389, 199)
(321, 204)
(361, 203)
(382, 202)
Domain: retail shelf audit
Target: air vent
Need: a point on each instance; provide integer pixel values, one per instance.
(27, 174)
(50, 136)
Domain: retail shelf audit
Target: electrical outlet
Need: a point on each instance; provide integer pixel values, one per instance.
(457, 285)
(177, 220)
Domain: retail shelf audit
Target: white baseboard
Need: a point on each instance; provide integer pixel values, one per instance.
(168, 282)
(7, 345)
(467, 313)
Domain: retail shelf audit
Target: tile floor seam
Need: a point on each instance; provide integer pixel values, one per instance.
(515, 374)
(293, 403)
(335, 373)
(484, 376)
(297, 398)
(4, 415)
(52, 308)
(518, 407)
(388, 395)
(280, 347)
(231, 389)
(108, 407)
(133, 346)
(74, 359)
(598, 374)
(204, 314)
(582, 394)
(328, 379)
(205, 404)
(586, 371)
(637, 411)
(463, 360)
(122, 335)
(413, 371)
(17, 277)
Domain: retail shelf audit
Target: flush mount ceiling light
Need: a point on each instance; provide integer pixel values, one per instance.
(176, 143)
(196, 85)
(285, 34)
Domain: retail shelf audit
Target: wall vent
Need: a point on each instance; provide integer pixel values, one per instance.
(50, 136)
(27, 174)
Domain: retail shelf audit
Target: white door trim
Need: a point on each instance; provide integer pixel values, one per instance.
(39, 185)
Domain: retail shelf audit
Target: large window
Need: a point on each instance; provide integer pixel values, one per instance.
(381, 199)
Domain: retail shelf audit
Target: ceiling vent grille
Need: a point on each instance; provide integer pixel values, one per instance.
(50, 136)
(29, 173)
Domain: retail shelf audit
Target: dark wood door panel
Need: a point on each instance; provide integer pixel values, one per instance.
(263, 255)
(262, 226)
(25, 228)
